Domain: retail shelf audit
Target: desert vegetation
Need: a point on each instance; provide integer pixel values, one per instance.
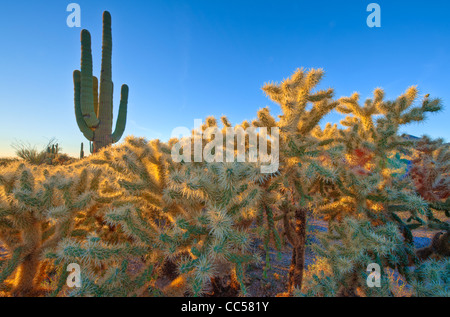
(140, 224)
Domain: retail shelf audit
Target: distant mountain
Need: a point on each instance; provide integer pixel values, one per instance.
(410, 137)
(413, 138)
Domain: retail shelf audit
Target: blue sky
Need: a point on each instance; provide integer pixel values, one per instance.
(189, 59)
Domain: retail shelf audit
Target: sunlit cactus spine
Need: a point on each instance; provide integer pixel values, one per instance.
(94, 109)
(370, 197)
(40, 207)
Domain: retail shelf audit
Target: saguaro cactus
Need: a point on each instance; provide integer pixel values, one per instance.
(81, 151)
(94, 109)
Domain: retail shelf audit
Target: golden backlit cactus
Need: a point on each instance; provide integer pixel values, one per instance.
(302, 109)
(195, 215)
(38, 208)
(368, 193)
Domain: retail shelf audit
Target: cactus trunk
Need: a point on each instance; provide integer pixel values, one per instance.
(102, 135)
(298, 252)
(30, 265)
(102, 138)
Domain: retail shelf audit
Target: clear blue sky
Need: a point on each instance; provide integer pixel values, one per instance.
(190, 59)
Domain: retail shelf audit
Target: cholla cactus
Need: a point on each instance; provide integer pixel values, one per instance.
(348, 249)
(38, 208)
(432, 279)
(104, 267)
(196, 215)
(368, 188)
(216, 234)
(299, 166)
(430, 172)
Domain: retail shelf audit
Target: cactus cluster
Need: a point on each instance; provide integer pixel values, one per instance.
(39, 208)
(141, 224)
(371, 207)
(53, 150)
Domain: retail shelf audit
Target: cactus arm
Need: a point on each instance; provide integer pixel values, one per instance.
(88, 133)
(95, 93)
(106, 86)
(106, 73)
(122, 117)
(11, 264)
(87, 82)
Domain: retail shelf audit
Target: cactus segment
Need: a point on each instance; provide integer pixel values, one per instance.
(88, 133)
(87, 82)
(122, 116)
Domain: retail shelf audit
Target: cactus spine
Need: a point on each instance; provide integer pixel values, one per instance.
(94, 109)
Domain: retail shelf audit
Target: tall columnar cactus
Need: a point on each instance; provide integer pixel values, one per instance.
(54, 149)
(94, 109)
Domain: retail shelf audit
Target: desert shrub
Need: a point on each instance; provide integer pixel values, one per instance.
(29, 153)
(50, 155)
